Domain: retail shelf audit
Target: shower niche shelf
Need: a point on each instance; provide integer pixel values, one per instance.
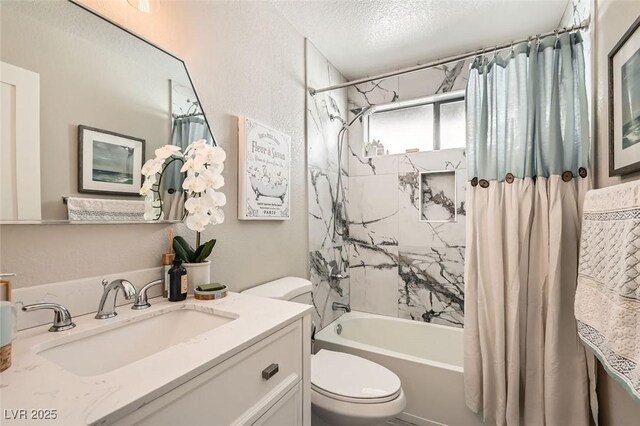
(437, 196)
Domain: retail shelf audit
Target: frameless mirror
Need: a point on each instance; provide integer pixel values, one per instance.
(425, 124)
(84, 104)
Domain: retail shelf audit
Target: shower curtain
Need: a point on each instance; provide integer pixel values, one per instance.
(528, 155)
(185, 130)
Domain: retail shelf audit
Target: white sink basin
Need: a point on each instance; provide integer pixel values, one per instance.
(116, 347)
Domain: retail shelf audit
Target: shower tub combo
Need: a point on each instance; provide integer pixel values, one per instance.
(426, 357)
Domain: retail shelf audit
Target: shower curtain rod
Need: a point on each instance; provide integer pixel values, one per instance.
(582, 25)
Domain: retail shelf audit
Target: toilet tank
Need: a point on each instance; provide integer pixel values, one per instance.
(293, 289)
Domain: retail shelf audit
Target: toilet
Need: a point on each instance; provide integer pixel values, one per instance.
(346, 390)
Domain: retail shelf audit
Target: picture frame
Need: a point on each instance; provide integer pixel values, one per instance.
(264, 172)
(109, 162)
(624, 103)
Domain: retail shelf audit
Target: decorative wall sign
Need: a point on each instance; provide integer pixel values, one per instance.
(264, 168)
(624, 103)
(108, 162)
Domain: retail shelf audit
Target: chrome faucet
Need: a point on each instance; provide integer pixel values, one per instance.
(61, 317)
(141, 299)
(111, 292)
(337, 306)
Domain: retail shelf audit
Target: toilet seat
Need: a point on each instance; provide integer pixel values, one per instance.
(348, 378)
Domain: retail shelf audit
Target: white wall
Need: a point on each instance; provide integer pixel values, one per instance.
(244, 58)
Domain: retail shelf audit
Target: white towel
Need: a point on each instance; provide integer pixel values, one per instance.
(607, 304)
(94, 209)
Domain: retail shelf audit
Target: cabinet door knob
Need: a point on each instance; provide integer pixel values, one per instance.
(270, 371)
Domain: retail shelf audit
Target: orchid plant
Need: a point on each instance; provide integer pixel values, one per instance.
(203, 164)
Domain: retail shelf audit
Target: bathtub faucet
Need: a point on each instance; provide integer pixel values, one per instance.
(337, 306)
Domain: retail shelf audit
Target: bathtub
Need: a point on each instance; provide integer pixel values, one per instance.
(426, 357)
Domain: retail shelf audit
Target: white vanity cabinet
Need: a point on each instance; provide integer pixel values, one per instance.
(235, 392)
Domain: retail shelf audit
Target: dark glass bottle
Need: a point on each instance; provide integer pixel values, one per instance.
(177, 282)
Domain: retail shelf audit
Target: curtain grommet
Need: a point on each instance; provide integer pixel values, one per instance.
(509, 178)
(484, 183)
(567, 176)
(582, 172)
(474, 181)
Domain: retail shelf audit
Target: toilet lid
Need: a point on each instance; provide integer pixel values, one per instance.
(351, 378)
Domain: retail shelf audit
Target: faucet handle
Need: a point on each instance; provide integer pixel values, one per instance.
(61, 316)
(141, 299)
(105, 283)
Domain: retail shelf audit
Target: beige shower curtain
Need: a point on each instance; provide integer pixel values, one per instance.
(528, 159)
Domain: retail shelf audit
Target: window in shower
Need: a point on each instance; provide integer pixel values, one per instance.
(426, 124)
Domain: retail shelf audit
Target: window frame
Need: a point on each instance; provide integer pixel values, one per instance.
(435, 100)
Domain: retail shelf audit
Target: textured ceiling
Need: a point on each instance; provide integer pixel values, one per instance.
(368, 37)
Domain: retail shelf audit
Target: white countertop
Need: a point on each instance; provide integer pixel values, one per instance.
(33, 382)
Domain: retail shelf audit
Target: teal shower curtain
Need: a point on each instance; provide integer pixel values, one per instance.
(528, 164)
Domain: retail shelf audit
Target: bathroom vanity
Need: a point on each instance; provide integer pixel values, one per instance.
(241, 360)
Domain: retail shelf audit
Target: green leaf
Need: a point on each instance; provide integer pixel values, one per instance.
(204, 251)
(183, 250)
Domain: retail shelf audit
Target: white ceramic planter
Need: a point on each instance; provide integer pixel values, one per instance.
(197, 274)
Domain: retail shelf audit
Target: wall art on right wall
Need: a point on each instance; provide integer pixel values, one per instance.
(624, 103)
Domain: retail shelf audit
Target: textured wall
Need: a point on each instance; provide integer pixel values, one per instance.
(398, 265)
(328, 230)
(236, 69)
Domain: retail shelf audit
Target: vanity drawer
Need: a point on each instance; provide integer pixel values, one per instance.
(235, 392)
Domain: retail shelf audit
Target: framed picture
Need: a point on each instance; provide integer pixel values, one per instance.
(624, 103)
(108, 162)
(264, 168)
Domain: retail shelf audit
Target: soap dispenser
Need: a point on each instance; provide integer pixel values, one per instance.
(177, 282)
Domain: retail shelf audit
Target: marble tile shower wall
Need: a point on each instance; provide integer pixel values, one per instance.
(399, 265)
(327, 188)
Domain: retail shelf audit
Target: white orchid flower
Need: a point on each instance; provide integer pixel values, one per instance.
(216, 155)
(187, 166)
(216, 216)
(197, 222)
(213, 180)
(152, 166)
(194, 164)
(199, 205)
(218, 199)
(167, 151)
(203, 165)
(216, 167)
(194, 146)
(194, 184)
(149, 181)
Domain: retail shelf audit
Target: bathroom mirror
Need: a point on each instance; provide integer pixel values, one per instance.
(84, 104)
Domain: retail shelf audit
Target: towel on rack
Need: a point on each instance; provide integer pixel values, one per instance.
(94, 209)
(607, 303)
